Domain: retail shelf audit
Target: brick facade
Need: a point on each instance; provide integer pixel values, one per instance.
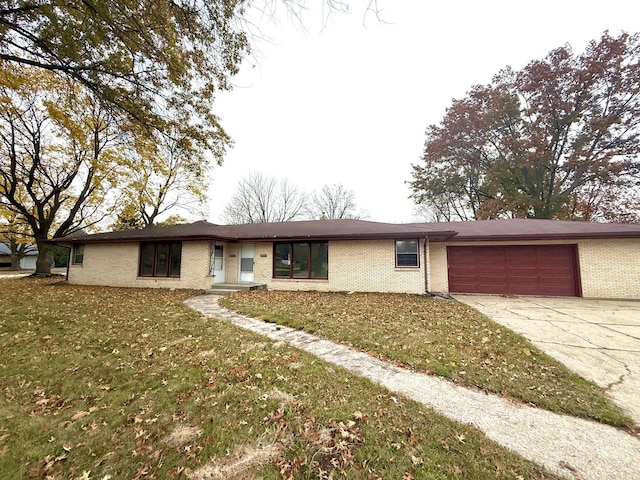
(116, 264)
(608, 268)
(361, 266)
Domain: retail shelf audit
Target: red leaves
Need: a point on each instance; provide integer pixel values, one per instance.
(529, 143)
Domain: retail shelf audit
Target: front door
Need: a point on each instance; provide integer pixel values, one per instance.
(246, 262)
(217, 261)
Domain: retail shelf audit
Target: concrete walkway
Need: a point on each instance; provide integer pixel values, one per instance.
(597, 339)
(567, 446)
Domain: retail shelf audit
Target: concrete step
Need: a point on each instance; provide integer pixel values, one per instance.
(227, 288)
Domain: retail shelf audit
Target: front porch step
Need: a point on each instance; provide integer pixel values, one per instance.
(227, 288)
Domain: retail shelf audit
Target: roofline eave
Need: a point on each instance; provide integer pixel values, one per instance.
(550, 236)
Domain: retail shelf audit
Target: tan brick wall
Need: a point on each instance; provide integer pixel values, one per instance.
(363, 266)
(438, 280)
(232, 259)
(117, 265)
(608, 268)
(263, 265)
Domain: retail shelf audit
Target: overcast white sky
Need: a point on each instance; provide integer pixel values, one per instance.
(349, 103)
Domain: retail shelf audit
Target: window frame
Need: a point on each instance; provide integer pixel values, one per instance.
(417, 252)
(74, 256)
(309, 260)
(160, 250)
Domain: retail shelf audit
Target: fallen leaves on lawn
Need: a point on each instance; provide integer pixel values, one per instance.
(444, 338)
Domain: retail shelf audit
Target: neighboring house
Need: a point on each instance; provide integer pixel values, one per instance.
(28, 262)
(524, 257)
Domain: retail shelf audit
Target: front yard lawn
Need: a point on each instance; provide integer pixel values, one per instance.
(436, 336)
(108, 383)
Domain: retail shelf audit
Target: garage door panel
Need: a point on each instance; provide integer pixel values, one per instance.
(515, 270)
(522, 280)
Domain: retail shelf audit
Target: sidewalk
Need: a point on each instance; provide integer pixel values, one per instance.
(567, 446)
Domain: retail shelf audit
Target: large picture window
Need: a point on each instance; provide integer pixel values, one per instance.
(301, 260)
(160, 259)
(407, 253)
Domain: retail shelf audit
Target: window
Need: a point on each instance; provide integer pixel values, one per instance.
(78, 254)
(218, 257)
(301, 260)
(160, 259)
(407, 253)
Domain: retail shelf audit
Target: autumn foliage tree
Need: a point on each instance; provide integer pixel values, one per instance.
(58, 151)
(160, 173)
(544, 142)
(15, 235)
(160, 61)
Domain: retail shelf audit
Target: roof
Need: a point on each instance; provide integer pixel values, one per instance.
(343, 229)
(346, 229)
(538, 229)
(5, 250)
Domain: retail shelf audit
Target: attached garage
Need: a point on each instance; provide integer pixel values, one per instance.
(514, 270)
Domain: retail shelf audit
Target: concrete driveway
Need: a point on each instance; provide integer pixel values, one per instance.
(598, 339)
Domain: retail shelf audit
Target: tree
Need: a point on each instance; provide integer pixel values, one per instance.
(260, 198)
(15, 234)
(160, 173)
(534, 143)
(334, 201)
(158, 60)
(57, 155)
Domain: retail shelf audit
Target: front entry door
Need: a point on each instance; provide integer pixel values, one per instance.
(246, 262)
(217, 259)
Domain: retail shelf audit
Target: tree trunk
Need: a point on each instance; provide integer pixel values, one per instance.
(15, 255)
(45, 257)
(15, 262)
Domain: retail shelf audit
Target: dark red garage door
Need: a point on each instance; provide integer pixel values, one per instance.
(514, 270)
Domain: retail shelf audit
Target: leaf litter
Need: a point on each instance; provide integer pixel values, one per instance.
(158, 391)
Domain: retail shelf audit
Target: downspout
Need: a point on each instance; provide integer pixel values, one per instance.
(427, 266)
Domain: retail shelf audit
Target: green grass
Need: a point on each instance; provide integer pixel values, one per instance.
(107, 383)
(445, 338)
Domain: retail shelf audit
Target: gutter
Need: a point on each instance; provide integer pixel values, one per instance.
(97, 238)
(529, 237)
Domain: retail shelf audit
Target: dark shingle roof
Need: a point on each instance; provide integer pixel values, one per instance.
(311, 229)
(330, 229)
(344, 229)
(537, 229)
